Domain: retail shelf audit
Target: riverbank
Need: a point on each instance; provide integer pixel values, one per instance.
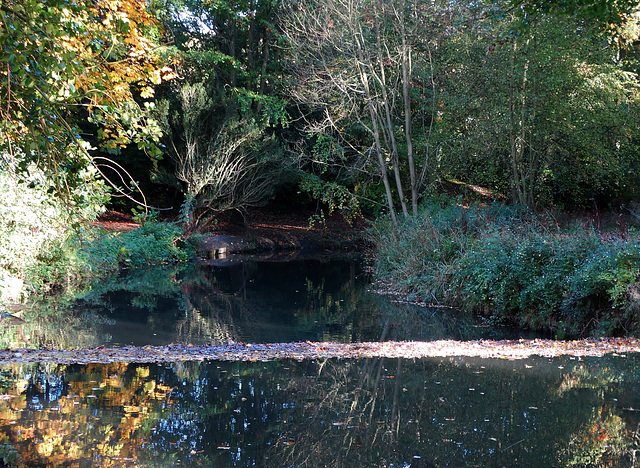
(264, 231)
(268, 231)
(511, 266)
(508, 265)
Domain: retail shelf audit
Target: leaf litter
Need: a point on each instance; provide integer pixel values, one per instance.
(504, 349)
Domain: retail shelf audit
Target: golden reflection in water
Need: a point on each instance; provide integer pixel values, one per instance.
(67, 431)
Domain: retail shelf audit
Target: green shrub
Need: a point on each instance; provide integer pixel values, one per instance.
(513, 267)
(154, 243)
(34, 226)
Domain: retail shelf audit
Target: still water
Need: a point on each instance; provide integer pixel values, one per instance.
(334, 413)
(433, 412)
(248, 300)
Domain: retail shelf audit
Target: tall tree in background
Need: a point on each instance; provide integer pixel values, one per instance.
(227, 44)
(359, 66)
(221, 114)
(545, 116)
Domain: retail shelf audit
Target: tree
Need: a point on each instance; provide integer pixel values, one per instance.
(546, 117)
(221, 117)
(354, 65)
(222, 163)
(226, 43)
(68, 63)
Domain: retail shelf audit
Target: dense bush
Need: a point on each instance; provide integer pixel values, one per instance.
(512, 266)
(153, 243)
(36, 225)
(45, 242)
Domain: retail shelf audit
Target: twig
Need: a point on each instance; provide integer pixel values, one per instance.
(515, 443)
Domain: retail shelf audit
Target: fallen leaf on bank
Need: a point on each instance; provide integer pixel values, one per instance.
(520, 349)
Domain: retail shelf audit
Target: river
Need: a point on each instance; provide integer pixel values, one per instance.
(429, 412)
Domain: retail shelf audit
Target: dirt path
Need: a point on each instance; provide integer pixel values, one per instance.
(520, 349)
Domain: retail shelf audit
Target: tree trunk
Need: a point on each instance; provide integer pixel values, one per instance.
(252, 47)
(406, 95)
(388, 121)
(382, 164)
(232, 50)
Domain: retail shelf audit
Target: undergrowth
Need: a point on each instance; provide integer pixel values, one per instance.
(94, 254)
(153, 243)
(515, 267)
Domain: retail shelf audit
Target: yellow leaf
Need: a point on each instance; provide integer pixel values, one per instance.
(147, 92)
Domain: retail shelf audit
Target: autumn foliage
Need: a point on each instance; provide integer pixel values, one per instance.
(66, 64)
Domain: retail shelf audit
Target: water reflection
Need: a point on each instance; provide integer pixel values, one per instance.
(377, 412)
(246, 301)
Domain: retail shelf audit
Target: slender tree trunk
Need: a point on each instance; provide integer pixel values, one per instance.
(252, 46)
(232, 49)
(406, 95)
(388, 121)
(522, 167)
(373, 114)
(515, 145)
(432, 119)
(382, 163)
(527, 171)
(537, 162)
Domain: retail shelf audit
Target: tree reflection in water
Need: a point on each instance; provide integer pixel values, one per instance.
(372, 412)
(250, 301)
(369, 412)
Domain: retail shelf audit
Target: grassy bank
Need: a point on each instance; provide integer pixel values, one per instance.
(89, 254)
(515, 267)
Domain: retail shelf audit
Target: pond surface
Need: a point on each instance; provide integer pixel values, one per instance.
(334, 413)
(252, 301)
(430, 412)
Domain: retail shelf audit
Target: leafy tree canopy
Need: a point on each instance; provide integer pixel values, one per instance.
(65, 63)
(611, 15)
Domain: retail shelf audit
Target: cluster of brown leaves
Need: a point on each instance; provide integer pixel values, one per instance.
(506, 349)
